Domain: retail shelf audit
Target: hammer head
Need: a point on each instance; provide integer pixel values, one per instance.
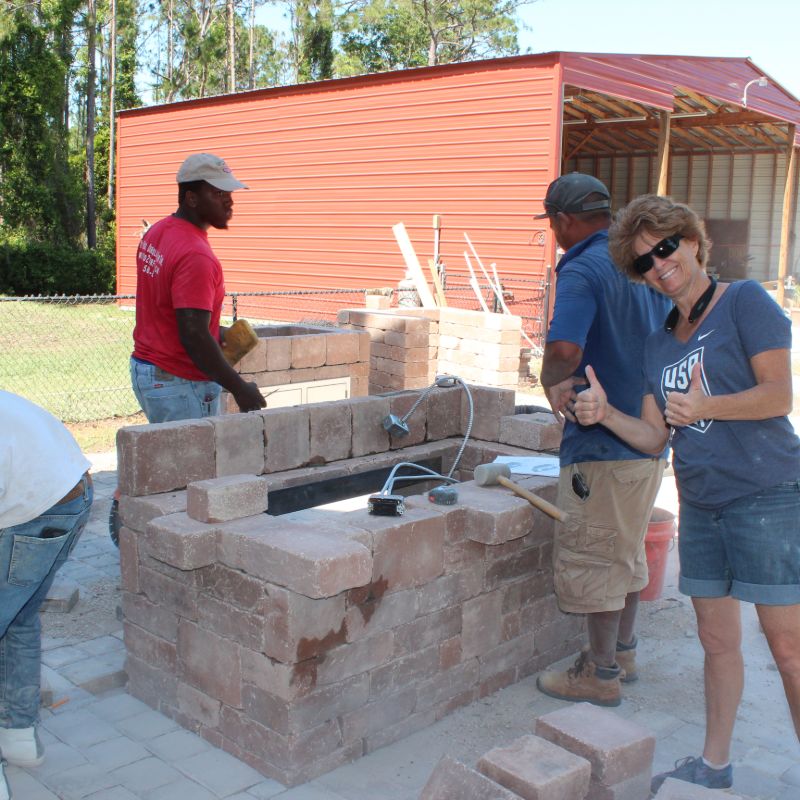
(487, 474)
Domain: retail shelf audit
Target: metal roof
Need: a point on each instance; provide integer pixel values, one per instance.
(612, 104)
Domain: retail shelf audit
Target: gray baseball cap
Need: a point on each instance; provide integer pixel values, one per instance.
(211, 169)
(568, 194)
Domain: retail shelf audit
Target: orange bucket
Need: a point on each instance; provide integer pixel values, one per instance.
(660, 535)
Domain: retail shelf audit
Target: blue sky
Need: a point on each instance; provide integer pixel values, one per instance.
(768, 31)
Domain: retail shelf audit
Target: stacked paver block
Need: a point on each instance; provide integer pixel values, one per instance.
(537, 770)
(298, 353)
(409, 347)
(620, 751)
(300, 642)
(452, 780)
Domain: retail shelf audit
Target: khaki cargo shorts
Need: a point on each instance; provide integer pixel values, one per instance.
(598, 555)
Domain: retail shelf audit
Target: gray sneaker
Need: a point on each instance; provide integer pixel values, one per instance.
(694, 770)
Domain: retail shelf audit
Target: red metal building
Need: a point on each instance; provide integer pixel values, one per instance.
(333, 165)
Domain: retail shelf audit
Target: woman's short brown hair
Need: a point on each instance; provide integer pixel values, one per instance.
(660, 217)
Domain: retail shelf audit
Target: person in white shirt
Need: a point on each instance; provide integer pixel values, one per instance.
(45, 499)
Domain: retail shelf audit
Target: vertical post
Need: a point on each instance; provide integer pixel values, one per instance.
(663, 151)
(789, 189)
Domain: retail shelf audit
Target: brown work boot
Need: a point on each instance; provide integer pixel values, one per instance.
(626, 658)
(584, 682)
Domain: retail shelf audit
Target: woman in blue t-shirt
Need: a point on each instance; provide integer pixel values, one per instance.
(718, 387)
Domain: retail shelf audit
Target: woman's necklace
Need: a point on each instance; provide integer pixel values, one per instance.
(698, 308)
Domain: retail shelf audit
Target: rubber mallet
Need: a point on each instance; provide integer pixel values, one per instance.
(494, 474)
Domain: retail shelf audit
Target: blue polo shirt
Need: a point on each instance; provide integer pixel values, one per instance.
(609, 318)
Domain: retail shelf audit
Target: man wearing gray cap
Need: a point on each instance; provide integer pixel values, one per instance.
(600, 319)
(177, 366)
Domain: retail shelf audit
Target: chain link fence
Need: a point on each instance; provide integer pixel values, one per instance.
(70, 354)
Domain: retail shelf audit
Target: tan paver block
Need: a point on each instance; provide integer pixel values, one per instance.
(239, 442)
(490, 406)
(295, 555)
(227, 498)
(308, 351)
(538, 431)
(278, 353)
(341, 348)
(161, 458)
(617, 748)
(369, 435)
(537, 770)
(494, 514)
(180, 541)
(331, 431)
(286, 431)
(136, 512)
(452, 780)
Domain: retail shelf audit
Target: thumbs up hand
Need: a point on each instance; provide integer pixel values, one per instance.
(685, 409)
(591, 405)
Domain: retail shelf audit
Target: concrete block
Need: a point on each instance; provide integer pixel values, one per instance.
(673, 789)
(407, 551)
(150, 648)
(294, 555)
(161, 458)
(330, 431)
(341, 348)
(223, 499)
(210, 663)
(152, 617)
(400, 405)
(427, 631)
(538, 431)
(278, 353)
(490, 406)
(308, 351)
(537, 770)
(180, 541)
(136, 512)
(444, 413)
(355, 658)
(452, 780)
(198, 706)
(369, 435)
(298, 629)
(239, 443)
(286, 431)
(255, 360)
(480, 626)
(129, 559)
(617, 748)
(494, 515)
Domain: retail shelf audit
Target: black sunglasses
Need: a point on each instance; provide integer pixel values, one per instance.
(664, 249)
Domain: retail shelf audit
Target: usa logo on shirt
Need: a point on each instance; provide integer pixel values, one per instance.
(677, 377)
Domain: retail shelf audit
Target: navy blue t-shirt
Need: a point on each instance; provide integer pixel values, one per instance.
(718, 461)
(609, 318)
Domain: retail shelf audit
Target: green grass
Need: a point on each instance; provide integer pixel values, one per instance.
(71, 359)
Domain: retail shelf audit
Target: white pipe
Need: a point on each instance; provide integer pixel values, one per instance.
(473, 282)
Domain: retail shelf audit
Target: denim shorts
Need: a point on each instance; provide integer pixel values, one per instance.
(748, 549)
(167, 398)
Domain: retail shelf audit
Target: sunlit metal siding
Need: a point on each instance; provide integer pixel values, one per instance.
(332, 166)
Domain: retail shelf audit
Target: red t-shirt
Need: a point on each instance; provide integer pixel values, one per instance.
(175, 268)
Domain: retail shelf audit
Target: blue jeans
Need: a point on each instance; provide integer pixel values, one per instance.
(748, 549)
(30, 555)
(167, 398)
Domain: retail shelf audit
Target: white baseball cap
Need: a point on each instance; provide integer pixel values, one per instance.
(211, 169)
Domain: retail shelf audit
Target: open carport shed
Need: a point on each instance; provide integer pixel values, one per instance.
(333, 165)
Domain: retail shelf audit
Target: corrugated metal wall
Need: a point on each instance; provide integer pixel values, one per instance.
(332, 166)
(718, 186)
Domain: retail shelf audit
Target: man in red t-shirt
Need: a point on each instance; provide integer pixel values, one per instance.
(177, 366)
